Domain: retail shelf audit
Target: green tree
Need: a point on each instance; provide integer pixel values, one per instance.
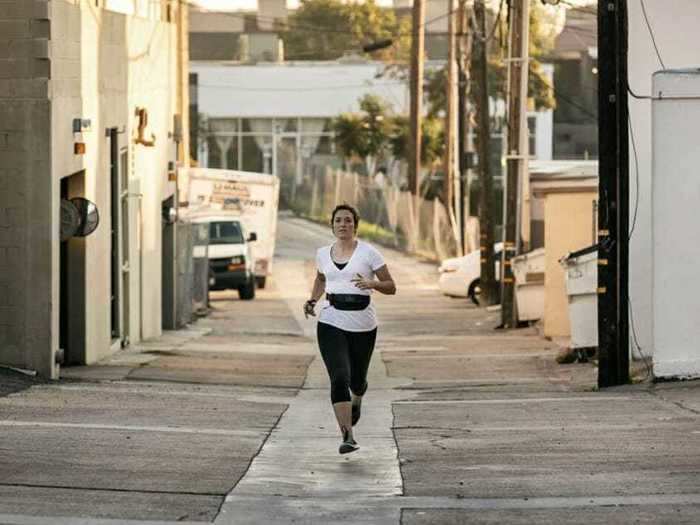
(364, 135)
(349, 136)
(326, 29)
(432, 147)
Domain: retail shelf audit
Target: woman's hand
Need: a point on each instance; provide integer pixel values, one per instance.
(309, 308)
(362, 283)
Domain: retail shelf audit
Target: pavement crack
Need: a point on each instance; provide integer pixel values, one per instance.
(679, 404)
(105, 489)
(250, 463)
(428, 427)
(399, 459)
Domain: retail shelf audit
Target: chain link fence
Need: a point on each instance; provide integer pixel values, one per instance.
(389, 215)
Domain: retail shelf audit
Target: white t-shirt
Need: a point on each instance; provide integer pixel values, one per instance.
(365, 260)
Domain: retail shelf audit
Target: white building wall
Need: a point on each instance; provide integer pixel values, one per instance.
(152, 82)
(105, 104)
(675, 197)
(675, 29)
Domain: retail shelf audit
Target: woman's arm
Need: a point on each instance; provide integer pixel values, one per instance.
(384, 283)
(316, 293)
(319, 287)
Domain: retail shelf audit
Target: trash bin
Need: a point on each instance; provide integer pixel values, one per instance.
(528, 270)
(581, 268)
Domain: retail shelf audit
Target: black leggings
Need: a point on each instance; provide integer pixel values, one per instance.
(346, 355)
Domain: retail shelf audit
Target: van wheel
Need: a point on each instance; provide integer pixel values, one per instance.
(247, 292)
(260, 281)
(474, 291)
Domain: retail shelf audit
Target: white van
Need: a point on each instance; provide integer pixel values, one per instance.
(231, 260)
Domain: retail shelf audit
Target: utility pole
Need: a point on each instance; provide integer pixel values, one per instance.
(518, 153)
(450, 120)
(417, 58)
(479, 65)
(466, 155)
(613, 208)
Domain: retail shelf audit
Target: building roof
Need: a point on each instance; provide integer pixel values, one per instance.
(293, 89)
(554, 176)
(579, 35)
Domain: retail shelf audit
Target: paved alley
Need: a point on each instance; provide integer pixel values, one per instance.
(229, 422)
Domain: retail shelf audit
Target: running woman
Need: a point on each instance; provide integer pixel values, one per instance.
(347, 271)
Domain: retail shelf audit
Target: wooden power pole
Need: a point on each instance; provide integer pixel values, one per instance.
(613, 209)
(518, 152)
(450, 117)
(465, 155)
(417, 59)
(480, 96)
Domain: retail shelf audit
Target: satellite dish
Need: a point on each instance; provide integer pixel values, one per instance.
(70, 219)
(89, 216)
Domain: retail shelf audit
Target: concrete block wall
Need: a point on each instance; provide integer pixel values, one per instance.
(28, 331)
(61, 60)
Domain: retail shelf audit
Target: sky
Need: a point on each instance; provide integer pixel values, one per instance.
(252, 4)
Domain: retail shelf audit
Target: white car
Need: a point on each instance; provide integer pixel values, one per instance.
(231, 260)
(461, 276)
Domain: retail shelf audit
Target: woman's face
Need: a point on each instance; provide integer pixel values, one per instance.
(344, 225)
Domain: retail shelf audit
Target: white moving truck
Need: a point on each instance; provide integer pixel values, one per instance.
(252, 197)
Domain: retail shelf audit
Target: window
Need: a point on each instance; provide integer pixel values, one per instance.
(257, 153)
(285, 125)
(225, 233)
(532, 135)
(214, 159)
(256, 125)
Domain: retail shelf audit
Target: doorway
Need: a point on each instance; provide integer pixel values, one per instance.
(72, 284)
(115, 258)
(168, 273)
(125, 260)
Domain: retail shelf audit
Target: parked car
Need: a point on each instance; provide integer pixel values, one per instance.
(231, 260)
(461, 276)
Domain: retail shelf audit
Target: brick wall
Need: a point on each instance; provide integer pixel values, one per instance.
(26, 266)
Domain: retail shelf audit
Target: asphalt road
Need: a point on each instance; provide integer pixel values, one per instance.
(229, 422)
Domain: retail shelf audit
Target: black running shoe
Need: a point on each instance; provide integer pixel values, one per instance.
(356, 412)
(348, 445)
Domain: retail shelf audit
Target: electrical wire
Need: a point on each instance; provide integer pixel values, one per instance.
(559, 95)
(496, 25)
(638, 97)
(636, 174)
(651, 34)
(635, 342)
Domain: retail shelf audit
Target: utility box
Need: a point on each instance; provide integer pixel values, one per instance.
(581, 269)
(675, 192)
(529, 284)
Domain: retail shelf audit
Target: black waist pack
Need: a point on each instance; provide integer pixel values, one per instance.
(348, 301)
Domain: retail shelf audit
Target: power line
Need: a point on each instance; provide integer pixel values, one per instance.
(651, 33)
(558, 95)
(636, 174)
(496, 24)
